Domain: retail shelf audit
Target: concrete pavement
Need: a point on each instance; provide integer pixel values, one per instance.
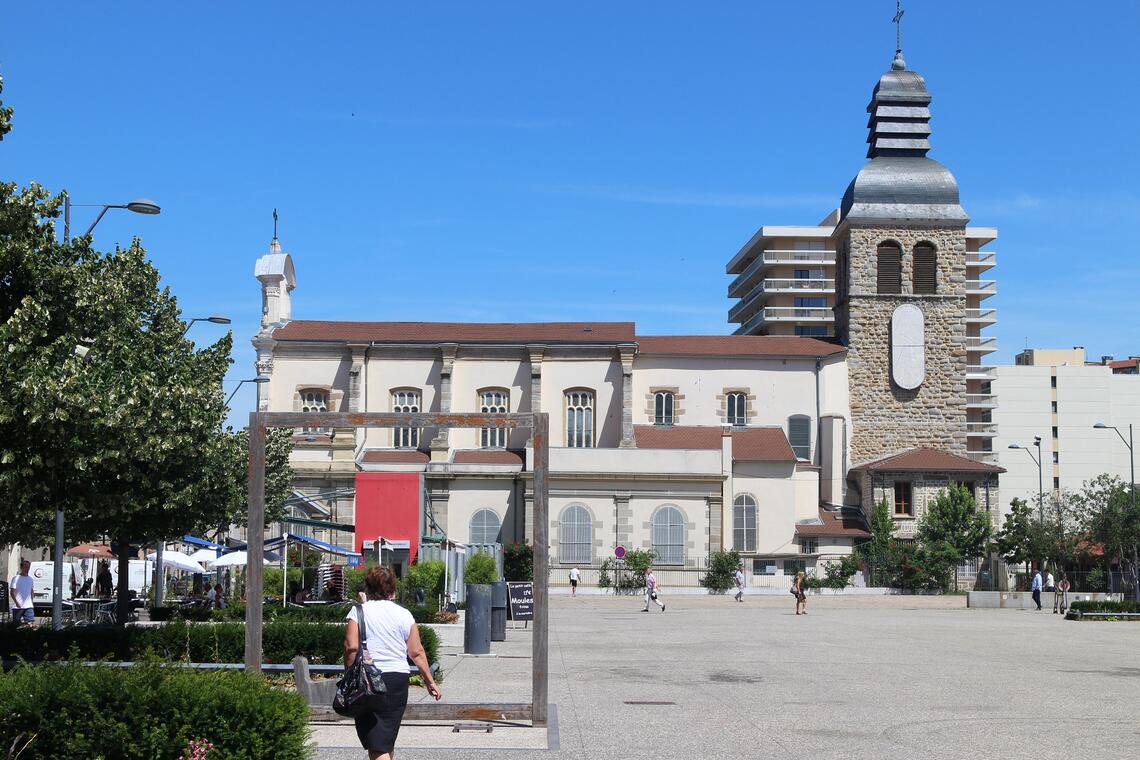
(883, 677)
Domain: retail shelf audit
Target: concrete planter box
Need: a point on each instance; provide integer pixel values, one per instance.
(1023, 600)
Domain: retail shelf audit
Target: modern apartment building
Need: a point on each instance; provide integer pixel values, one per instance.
(1056, 396)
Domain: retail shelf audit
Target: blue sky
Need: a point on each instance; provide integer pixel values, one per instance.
(592, 161)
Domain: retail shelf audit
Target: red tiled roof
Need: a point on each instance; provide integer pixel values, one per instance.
(842, 523)
(396, 456)
(488, 456)
(929, 460)
(457, 332)
(736, 345)
(676, 437)
(765, 444)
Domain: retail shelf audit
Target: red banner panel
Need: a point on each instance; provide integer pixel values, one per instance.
(388, 506)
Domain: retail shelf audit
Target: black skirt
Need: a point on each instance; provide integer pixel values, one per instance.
(378, 730)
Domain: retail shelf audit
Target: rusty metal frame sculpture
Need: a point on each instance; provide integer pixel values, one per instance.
(539, 425)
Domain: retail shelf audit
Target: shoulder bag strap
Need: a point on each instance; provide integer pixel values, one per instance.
(363, 628)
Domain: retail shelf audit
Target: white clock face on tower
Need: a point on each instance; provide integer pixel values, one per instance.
(908, 343)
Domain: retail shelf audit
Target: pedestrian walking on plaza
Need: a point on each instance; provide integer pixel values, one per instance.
(651, 591)
(575, 576)
(798, 591)
(103, 580)
(20, 588)
(1036, 589)
(739, 578)
(1050, 584)
(392, 638)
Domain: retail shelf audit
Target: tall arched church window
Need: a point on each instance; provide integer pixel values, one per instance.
(667, 534)
(484, 527)
(405, 400)
(663, 402)
(575, 536)
(925, 269)
(799, 435)
(888, 272)
(580, 419)
(744, 523)
(494, 401)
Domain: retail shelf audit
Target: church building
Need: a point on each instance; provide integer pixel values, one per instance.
(856, 376)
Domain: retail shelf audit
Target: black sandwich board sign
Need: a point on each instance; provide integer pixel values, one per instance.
(521, 597)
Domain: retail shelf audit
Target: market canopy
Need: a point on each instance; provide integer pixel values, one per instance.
(178, 561)
(188, 539)
(91, 551)
(294, 538)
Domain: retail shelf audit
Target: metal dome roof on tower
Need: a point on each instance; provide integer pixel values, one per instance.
(900, 182)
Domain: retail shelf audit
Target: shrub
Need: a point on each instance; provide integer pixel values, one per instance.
(322, 643)
(518, 562)
(1096, 580)
(427, 575)
(481, 569)
(722, 571)
(147, 711)
(1128, 605)
(838, 575)
(353, 581)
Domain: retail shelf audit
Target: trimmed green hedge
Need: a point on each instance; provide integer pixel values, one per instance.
(71, 710)
(314, 613)
(192, 642)
(1128, 605)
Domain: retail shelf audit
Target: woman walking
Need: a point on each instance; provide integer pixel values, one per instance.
(651, 591)
(798, 590)
(392, 638)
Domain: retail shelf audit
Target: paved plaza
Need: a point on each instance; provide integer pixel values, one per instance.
(859, 677)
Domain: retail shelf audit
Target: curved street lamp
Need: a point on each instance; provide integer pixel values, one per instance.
(138, 206)
(216, 319)
(257, 380)
(1040, 476)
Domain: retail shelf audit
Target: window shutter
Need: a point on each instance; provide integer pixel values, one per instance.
(889, 271)
(925, 269)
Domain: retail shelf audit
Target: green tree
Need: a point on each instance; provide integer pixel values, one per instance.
(1023, 537)
(518, 562)
(1112, 519)
(722, 571)
(953, 528)
(877, 551)
(129, 441)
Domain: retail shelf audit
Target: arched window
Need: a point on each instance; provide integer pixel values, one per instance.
(663, 408)
(925, 269)
(484, 527)
(494, 401)
(580, 419)
(888, 273)
(667, 534)
(744, 523)
(799, 435)
(575, 536)
(736, 409)
(314, 400)
(405, 400)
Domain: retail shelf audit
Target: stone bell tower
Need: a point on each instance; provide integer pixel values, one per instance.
(901, 282)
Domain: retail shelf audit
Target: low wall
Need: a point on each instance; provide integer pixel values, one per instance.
(1023, 600)
(690, 591)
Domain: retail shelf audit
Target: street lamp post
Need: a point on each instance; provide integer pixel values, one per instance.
(258, 380)
(1040, 476)
(1131, 476)
(138, 206)
(216, 319)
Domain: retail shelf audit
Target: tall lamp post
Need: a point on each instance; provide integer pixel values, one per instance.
(138, 206)
(160, 579)
(258, 380)
(1040, 476)
(1131, 469)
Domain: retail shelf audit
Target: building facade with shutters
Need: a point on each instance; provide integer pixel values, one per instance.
(856, 377)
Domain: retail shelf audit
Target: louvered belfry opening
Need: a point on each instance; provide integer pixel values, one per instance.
(925, 269)
(889, 270)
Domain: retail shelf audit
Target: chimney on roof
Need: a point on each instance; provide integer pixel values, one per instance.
(1106, 359)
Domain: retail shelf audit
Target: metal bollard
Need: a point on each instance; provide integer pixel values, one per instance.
(477, 619)
(499, 611)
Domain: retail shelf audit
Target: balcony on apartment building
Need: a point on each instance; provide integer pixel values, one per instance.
(980, 344)
(981, 288)
(981, 260)
(751, 273)
(769, 314)
(982, 455)
(981, 401)
(981, 429)
(981, 316)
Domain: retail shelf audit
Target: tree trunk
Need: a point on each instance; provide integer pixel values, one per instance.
(122, 593)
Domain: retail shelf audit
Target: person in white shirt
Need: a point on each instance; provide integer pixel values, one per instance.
(1036, 589)
(575, 576)
(392, 637)
(20, 588)
(651, 591)
(212, 598)
(739, 578)
(1050, 584)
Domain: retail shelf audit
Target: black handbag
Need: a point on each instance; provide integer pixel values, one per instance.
(362, 687)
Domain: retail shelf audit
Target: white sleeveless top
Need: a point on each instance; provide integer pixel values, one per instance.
(388, 626)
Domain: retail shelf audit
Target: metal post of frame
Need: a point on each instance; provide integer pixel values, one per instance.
(537, 709)
(255, 539)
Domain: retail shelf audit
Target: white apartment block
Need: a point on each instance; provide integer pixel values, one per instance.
(1056, 395)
